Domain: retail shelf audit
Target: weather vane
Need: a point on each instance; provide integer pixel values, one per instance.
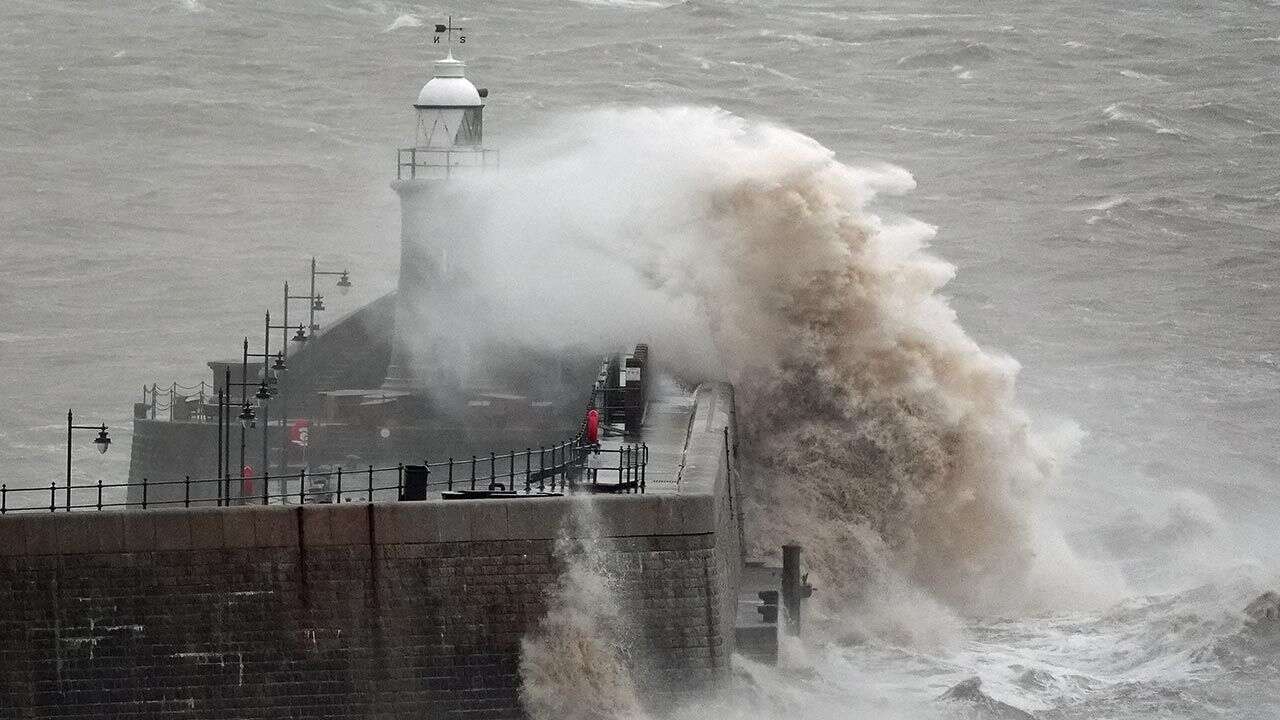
(449, 29)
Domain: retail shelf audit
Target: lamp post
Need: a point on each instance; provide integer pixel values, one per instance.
(301, 335)
(317, 301)
(280, 365)
(265, 392)
(103, 441)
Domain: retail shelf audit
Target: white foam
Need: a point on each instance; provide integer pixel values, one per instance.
(407, 20)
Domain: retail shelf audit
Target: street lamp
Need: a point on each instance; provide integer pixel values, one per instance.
(317, 302)
(246, 422)
(103, 441)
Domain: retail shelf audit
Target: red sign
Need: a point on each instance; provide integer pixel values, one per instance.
(298, 432)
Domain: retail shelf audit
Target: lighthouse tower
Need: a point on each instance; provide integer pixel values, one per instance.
(448, 141)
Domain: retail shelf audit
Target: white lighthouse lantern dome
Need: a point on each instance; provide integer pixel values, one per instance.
(449, 87)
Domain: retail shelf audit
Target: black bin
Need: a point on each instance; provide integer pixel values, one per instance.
(415, 482)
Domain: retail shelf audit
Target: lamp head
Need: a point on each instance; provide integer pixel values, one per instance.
(318, 303)
(301, 335)
(103, 441)
(264, 392)
(344, 283)
(278, 366)
(246, 416)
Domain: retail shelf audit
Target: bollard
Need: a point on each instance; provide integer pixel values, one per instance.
(791, 591)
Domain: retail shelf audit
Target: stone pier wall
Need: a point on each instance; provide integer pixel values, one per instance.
(392, 610)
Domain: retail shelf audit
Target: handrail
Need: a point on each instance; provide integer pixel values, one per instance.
(557, 468)
(443, 159)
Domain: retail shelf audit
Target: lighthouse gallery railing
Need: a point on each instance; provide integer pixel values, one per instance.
(427, 162)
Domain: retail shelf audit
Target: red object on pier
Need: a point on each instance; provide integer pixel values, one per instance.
(299, 430)
(593, 426)
(246, 481)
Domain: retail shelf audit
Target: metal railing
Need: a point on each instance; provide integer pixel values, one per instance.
(183, 403)
(442, 162)
(559, 468)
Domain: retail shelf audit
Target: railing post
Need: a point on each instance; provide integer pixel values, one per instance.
(621, 462)
(528, 476)
(186, 493)
(302, 487)
(451, 473)
(399, 480)
(53, 497)
(473, 472)
(644, 462)
(4, 498)
(542, 468)
(492, 470)
(99, 493)
(370, 498)
(339, 485)
(144, 490)
(266, 483)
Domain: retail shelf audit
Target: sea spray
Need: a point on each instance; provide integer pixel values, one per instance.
(573, 665)
(875, 431)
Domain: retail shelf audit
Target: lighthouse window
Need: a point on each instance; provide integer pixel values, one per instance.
(472, 130)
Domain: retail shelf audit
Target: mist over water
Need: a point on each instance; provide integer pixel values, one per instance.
(1099, 179)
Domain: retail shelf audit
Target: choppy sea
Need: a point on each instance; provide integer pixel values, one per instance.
(1106, 178)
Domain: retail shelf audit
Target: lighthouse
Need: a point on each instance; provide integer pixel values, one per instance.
(448, 141)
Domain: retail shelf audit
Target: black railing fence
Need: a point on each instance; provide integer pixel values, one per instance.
(530, 472)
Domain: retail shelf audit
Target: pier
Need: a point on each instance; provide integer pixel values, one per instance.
(368, 609)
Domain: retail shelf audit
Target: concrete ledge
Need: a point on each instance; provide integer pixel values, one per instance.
(704, 460)
(431, 521)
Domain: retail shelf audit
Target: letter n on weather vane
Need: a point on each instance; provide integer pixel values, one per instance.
(448, 29)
